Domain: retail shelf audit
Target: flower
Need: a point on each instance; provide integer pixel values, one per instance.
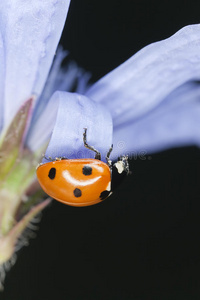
(135, 106)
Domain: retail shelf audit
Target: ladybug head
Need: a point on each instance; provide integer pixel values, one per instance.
(120, 170)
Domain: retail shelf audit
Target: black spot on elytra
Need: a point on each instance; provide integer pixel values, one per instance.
(104, 195)
(77, 193)
(52, 173)
(87, 170)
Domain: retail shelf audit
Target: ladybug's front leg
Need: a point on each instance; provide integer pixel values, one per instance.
(98, 154)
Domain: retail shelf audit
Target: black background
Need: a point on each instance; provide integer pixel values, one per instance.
(143, 242)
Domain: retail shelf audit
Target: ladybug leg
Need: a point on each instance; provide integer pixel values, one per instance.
(98, 154)
(109, 162)
(48, 158)
(60, 158)
(53, 159)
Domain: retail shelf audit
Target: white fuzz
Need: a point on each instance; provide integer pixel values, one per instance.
(5, 268)
(23, 240)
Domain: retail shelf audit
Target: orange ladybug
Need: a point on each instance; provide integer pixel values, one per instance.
(82, 182)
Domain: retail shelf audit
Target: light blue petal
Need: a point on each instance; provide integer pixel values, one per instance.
(40, 131)
(145, 80)
(62, 79)
(31, 31)
(76, 112)
(175, 122)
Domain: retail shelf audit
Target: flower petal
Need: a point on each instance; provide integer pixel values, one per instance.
(61, 79)
(142, 82)
(173, 123)
(76, 112)
(30, 31)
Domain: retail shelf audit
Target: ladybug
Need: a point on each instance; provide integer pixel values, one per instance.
(82, 182)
